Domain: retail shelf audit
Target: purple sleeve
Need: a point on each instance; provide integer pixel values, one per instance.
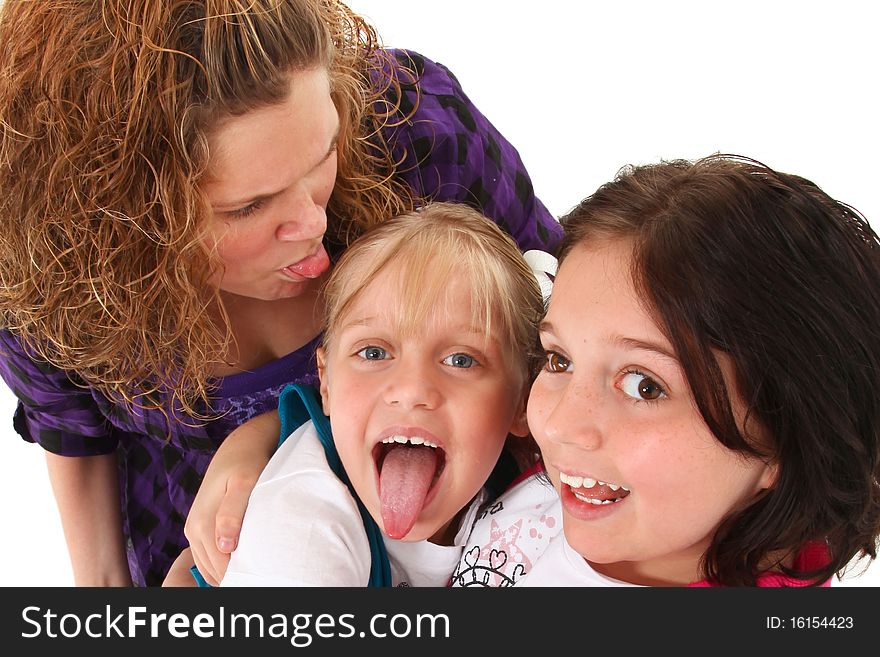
(451, 152)
(52, 410)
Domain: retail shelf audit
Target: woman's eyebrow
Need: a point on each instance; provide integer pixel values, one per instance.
(333, 143)
(233, 206)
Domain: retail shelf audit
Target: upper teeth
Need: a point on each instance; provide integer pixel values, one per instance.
(587, 482)
(415, 440)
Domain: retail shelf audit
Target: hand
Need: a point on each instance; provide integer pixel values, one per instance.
(214, 521)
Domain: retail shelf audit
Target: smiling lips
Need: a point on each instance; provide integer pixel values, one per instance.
(311, 266)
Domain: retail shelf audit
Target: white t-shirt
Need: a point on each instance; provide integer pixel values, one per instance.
(518, 541)
(510, 535)
(560, 565)
(303, 528)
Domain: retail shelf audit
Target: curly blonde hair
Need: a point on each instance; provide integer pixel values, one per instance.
(105, 110)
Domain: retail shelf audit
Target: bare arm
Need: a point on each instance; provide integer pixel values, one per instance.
(179, 574)
(214, 521)
(86, 491)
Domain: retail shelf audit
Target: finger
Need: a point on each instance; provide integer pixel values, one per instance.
(231, 512)
(200, 536)
(220, 563)
(200, 558)
(210, 561)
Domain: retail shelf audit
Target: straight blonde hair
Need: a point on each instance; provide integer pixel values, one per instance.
(430, 246)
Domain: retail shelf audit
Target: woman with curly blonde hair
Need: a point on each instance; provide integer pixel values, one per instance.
(176, 180)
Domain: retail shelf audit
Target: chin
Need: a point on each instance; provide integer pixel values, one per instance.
(287, 290)
(588, 547)
(417, 533)
(421, 532)
(414, 537)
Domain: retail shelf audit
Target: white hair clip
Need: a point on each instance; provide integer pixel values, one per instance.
(544, 268)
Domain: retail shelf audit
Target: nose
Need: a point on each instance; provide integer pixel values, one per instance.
(302, 221)
(411, 385)
(572, 416)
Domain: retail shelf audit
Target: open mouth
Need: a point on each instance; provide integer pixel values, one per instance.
(409, 468)
(593, 491)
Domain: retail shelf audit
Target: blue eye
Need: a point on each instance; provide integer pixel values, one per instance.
(556, 363)
(641, 386)
(373, 353)
(460, 360)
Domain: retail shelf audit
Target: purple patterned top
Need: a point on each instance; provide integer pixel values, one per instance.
(452, 154)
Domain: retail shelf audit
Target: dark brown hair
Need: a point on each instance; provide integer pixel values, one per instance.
(731, 256)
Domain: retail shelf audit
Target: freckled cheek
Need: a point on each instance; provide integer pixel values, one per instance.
(681, 469)
(651, 461)
(344, 389)
(350, 429)
(537, 409)
(482, 422)
(237, 254)
(237, 244)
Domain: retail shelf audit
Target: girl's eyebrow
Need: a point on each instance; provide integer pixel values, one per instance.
(658, 348)
(646, 345)
(545, 327)
(369, 320)
(350, 322)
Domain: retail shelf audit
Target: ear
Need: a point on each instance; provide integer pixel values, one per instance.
(321, 357)
(769, 476)
(520, 425)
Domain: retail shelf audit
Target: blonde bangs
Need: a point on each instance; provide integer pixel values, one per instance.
(420, 253)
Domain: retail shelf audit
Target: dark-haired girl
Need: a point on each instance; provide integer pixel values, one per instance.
(707, 409)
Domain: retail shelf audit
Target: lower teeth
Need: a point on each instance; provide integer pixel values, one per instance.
(594, 501)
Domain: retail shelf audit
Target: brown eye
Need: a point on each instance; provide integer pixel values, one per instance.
(641, 387)
(557, 363)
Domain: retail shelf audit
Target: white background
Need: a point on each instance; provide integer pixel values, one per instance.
(582, 88)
